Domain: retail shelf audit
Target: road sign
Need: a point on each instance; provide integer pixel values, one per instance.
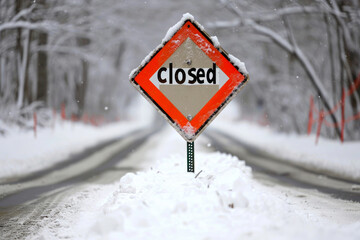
(189, 78)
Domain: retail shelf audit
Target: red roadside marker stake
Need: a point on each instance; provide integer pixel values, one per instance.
(63, 113)
(321, 118)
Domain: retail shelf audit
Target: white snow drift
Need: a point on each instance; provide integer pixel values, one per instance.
(222, 202)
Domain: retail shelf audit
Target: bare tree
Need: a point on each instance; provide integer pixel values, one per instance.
(287, 15)
(55, 52)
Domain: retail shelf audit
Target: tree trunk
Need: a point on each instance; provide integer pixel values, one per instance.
(82, 86)
(42, 85)
(22, 69)
(81, 89)
(28, 98)
(19, 51)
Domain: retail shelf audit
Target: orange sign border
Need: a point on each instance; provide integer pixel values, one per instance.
(141, 80)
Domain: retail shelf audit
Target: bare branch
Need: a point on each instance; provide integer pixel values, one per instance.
(277, 38)
(270, 16)
(22, 13)
(68, 50)
(292, 49)
(348, 39)
(45, 26)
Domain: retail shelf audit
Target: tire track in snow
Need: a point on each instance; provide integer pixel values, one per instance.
(72, 173)
(74, 158)
(269, 167)
(20, 221)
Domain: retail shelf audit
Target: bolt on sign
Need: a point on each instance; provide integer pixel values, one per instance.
(189, 78)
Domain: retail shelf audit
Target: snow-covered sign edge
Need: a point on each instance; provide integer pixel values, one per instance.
(190, 135)
(238, 64)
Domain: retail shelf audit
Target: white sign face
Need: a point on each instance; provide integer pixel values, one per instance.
(189, 78)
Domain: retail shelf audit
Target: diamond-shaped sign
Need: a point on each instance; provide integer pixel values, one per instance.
(189, 78)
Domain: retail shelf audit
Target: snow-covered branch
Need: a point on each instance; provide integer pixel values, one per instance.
(293, 49)
(74, 51)
(45, 26)
(287, 11)
(264, 16)
(23, 13)
(347, 35)
(290, 46)
(277, 38)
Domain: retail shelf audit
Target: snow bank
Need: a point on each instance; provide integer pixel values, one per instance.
(222, 201)
(22, 153)
(328, 157)
(166, 196)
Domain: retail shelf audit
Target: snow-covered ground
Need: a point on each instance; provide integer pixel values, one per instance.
(220, 201)
(21, 153)
(162, 201)
(327, 157)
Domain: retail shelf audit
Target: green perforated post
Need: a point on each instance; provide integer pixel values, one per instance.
(190, 157)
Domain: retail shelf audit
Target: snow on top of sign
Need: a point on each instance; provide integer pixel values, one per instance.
(177, 26)
(215, 41)
(238, 64)
(170, 33)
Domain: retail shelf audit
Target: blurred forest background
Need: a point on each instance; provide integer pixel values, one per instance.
(80, 52)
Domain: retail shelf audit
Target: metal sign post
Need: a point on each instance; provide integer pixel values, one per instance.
(189, 78)
(190, 157)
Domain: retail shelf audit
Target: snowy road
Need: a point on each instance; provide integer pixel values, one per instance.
(26, 200)
(269, 168)
(82, 198)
